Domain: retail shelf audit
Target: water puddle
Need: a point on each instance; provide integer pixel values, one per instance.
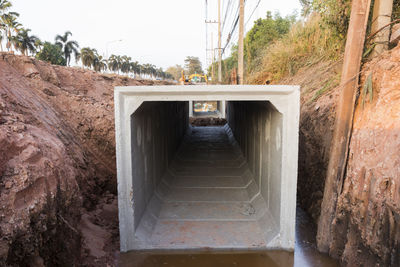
(305, 254)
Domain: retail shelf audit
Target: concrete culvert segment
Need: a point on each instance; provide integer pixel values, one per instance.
(220, 187)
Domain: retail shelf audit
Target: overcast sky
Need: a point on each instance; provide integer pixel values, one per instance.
(160, 32)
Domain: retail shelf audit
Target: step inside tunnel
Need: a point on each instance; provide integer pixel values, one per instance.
(199, 187)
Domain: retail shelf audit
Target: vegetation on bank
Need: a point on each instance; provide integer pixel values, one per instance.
(278, 46)
(17, 38)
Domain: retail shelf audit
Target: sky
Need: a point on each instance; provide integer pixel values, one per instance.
(159, 32)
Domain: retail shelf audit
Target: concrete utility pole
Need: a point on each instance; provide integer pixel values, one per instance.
(240, 48)
(344, 121)
(219, 44)
(381, 17)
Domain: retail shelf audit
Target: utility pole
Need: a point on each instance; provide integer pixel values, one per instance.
(343, 121)
(381, 16)
(240, 48)
(213, 56)
(219, 44)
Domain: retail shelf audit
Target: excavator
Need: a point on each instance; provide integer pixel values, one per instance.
(192, 79)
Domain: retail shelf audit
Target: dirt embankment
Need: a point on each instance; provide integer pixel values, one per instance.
(57, 162)
(317, 117)
(366, 228)
(367, 220)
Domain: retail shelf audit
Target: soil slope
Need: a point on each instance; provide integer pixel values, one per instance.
(366, 228)
(57, 162)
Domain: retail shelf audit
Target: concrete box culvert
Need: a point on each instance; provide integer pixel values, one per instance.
(194, 188)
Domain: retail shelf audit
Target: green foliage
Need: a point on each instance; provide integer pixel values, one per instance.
(367, 89)
(334, 13)
(330, 84)
(51, 53)
(175, 71)
(67, 46)
(396, 9)
(25, 42)
(193, 65)
(263, 33)
(305, 44)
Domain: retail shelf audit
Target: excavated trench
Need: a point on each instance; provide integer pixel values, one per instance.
(196, 188)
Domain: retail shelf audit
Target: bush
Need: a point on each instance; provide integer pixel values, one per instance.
(307, 43)
(52, 53)
(335, 14)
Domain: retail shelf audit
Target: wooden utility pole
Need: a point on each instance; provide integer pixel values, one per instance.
(213, 57)
(240, 48)
(381, 17)
(219, 44)
(344, 120)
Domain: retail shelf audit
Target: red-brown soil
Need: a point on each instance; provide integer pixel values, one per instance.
(366, 229)
(57, 162)
(367, 220)
(208, 121)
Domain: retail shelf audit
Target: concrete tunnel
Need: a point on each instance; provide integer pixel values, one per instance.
(196, 188)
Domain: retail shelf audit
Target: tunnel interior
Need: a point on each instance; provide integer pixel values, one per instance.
(206, 187)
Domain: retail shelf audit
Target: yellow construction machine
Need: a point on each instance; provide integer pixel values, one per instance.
(193, 79)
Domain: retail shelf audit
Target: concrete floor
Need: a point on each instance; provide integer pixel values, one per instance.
(207, 199)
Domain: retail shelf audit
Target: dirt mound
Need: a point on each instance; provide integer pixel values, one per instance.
(57, 161)
(207, 121)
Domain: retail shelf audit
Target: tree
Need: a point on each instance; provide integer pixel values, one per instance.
(175, 72)
(68, 46)
(99, 63)
(193, 65)
(12, 26)
(4, 6)
(135, 68)
(51, 53)
(149, 69)
(125, 64)
(114, 63)
(25, 42)
(87, 56)
(264, 32)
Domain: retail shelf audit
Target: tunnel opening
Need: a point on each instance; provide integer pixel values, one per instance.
(217, 187)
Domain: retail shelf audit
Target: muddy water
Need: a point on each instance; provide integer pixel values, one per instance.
(305, 254)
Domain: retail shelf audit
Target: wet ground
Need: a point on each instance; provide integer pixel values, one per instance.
(305, 254)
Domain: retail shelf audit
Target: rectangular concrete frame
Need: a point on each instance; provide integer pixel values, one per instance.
(286, 99)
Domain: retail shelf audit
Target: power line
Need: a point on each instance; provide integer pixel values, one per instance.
(235, 22)
(226, 14)
(252, 12)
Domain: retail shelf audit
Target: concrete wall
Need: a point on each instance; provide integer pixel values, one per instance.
(257, 127)
(143, 160)
(157, 130)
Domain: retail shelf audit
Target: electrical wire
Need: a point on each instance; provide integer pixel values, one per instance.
(252, 13)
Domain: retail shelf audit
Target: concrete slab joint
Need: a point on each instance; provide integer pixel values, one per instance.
(196, 188)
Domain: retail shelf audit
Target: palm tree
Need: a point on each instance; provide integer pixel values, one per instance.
(87, 56)
(4, 6)
(12, 26)
(135, 68)
(114, 63)
(25, 42)
(126, 64)
(2, 29)
(39, 45)
(99, 63)
(68, 47)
